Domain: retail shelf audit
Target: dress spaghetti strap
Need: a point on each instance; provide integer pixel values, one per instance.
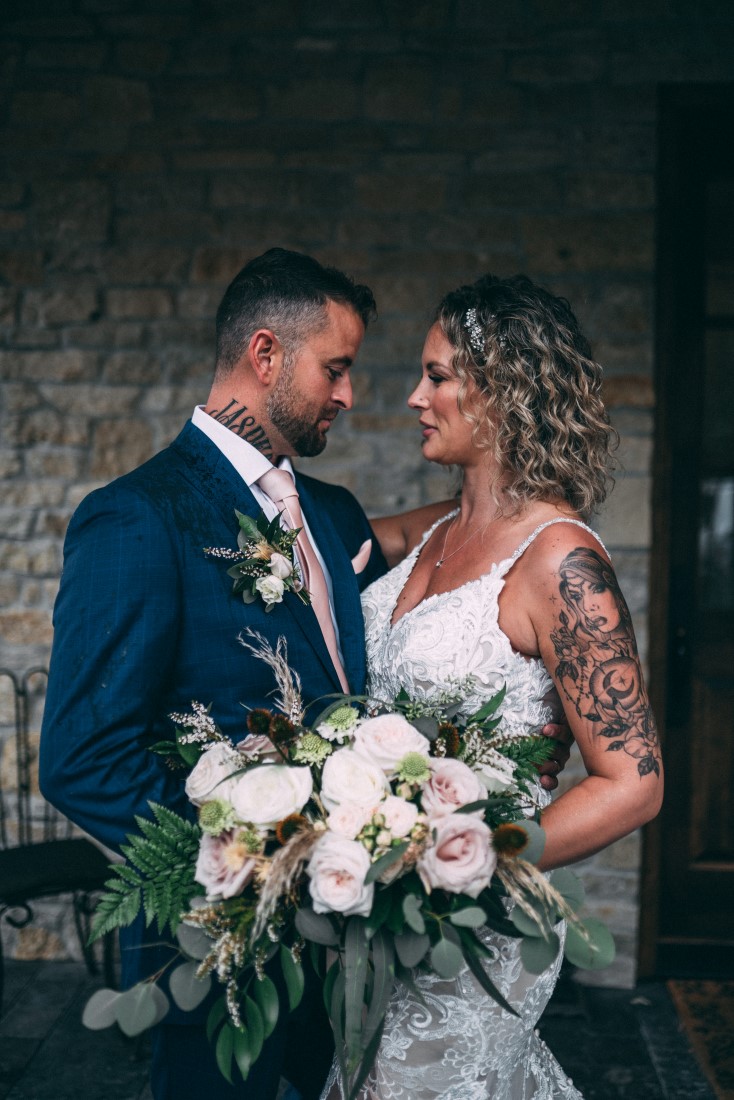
(549, 523)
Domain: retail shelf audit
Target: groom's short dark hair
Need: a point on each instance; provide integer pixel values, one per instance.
(288, 293)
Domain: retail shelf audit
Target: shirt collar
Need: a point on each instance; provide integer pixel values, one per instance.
(249, 463)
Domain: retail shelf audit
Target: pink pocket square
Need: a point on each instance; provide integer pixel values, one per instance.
(362, 556)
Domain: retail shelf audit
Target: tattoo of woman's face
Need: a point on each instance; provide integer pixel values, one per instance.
(598, 667)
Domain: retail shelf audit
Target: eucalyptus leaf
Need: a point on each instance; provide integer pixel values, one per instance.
(594, 954)
(569, 886)
(384, 862)
(265, 996)
(316, 927)
(470, 917)
(411, 948)
(538, 954)
(187, 990)
(473, 961)
(412, 913)
(447, 959)
(427, 725)
(224, 1051)
(194, 941)
(248, 525)
(217, 1013)
(383, 965)
(241, 1051)
(255, 1028)
(100, 1011)
(489, 707)
(381, 903)
(356, 951)
(293, 975)
(141, 1007)
(527, 925)
(536, 840)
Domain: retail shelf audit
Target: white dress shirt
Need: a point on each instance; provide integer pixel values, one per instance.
(251, 464)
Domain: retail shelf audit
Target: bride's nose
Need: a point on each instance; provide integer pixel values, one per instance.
(419, 397)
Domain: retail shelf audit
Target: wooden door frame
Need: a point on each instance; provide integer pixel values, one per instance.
(678, 356)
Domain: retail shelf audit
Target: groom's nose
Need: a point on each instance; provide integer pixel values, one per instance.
(341, 393)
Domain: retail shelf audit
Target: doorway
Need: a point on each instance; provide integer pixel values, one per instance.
(688, 868)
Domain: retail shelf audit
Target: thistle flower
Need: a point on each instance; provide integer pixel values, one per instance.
(311, 749)
(510, 839)
(258, 721)
(448, 740)
(289, 826)
(414, 768)
(216, 815)
(339, 723)
(281, 730)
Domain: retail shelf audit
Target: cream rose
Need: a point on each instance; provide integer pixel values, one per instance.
(265, 795)
(387, 739)
(452, 784)
(400, 816)
(338, 868)
(210, 777)
(461, 859)
(348, 819)
(270, 588)
(224, 866)
(280, 566)
(350, 777)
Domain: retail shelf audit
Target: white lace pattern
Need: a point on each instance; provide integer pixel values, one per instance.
(459, 1044)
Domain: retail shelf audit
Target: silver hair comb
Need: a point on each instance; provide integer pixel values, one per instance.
(474, 330)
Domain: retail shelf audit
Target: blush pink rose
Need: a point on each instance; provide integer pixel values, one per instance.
(223, 866)
(337, 869)
(461, 859)
(452, 784)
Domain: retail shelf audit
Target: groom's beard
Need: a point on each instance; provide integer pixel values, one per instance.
(295, 423)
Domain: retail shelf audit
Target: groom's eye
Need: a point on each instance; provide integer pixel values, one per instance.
(334, 375)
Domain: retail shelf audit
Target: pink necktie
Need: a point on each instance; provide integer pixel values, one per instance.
(281, 488)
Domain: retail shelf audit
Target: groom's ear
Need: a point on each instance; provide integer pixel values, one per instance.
(265, 356)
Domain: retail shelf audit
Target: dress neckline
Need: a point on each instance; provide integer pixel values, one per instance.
(493, 569)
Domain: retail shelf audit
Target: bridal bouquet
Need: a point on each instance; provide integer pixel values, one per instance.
(380, 836)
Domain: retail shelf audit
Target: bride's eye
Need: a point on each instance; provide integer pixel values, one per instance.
(437, 379)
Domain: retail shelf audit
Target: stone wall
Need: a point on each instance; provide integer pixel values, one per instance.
(151, 148)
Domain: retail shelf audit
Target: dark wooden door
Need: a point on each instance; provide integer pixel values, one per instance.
(691, 854)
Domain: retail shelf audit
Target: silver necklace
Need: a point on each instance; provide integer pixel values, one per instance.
(444, 556)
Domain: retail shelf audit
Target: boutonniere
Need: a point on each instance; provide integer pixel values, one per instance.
(264, 565)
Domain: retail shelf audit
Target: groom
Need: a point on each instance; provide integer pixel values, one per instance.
(145, 622)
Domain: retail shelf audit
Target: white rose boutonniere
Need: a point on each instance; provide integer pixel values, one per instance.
(264, 566)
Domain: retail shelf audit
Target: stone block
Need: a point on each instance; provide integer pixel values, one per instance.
(10, 464)
(16, 523)
(12, 221)
(21, 266)
(624, 855)
(223, 160)
(516, 189)
(123, 303)
(217, 265)
(389, 192)
(12, 192)
(41, 108)
(143, 57)
(635, 454)
(325, 99)
(625, 520)
(72, 210)
(117, 99)
(581, 64)
(610, 190)
(142, 265)
(70, 365)
(609, 242)
(41, 463)
(227, 100)
(94, 401)
(201, 302)
(625, 357)
(107, 335)
(398, 89)
(26, 627)
(132, 367)
(66, 55)
(167, 225)
(628, 391)
(35, 557)
(59, 305)
(118, 446)
(36, 493)
(631, 421)
(47, 426)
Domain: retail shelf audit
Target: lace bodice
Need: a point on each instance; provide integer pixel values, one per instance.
(454, 1042)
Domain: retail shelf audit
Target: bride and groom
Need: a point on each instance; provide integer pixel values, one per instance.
(509, 587)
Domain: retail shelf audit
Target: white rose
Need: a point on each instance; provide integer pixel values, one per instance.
(452, 784)
(210, 777)
(462, 859)
(338, 868)
(400, 816)
(349, 777)
(497, 774)
(280, 566)
(348, 819)
(387, 739)
(264, 796)
(270, 588)
(223, 866)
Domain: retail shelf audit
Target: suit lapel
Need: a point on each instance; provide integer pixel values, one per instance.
(216, 479)
(347, 605)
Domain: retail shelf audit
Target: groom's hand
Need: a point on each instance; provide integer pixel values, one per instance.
(551, 768)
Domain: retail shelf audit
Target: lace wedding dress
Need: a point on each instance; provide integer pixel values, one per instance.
(459, 1044)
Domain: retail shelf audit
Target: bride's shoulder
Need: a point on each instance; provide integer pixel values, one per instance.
(554, 543)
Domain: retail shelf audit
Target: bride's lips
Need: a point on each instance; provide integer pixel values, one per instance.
(427, 428)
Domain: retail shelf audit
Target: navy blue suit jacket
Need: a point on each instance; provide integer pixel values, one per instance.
(145, 623)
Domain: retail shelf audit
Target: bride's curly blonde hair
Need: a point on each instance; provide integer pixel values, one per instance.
(542, 415)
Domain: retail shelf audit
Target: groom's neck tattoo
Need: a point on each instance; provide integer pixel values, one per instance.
(239, 420)
(598, 666)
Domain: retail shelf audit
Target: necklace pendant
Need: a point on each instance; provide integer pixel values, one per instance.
(439, 563)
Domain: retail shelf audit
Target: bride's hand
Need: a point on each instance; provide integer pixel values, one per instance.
(551, 768)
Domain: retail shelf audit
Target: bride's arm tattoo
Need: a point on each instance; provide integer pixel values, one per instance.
(598, 665)
(239, 420)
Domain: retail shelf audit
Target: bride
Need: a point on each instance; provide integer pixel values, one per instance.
(510, 588)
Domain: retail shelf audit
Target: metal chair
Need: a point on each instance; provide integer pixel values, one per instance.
(41, 853)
